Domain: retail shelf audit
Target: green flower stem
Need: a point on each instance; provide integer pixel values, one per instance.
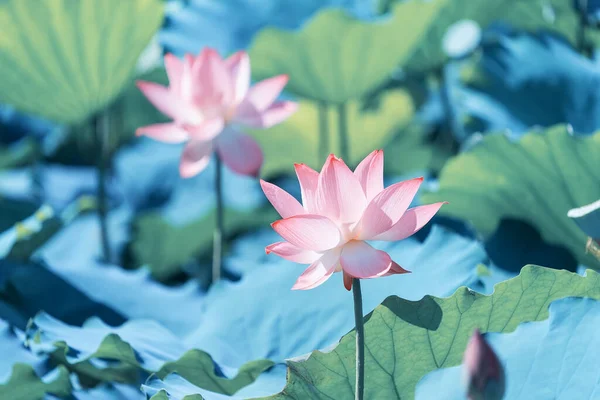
(343, 133)
(358, 309)
(218, 233)
(360, 340)
(323, 149)
(102, 135)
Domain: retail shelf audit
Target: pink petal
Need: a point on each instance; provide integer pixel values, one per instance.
(276, 113)
(396, 269)
(239, 152)
(195, 157)
(360, 260)
(370, 174)
(174, 67)
(411, 222)
(387, 208)
(168, 133)
(238, 65)
(264, 93)
(207, 129)
(309, 179)
(309, 232)
(339, 194)
(319, 271)
(212, 84)
(293, 253)
(186, 85)
(166, 101)
(285, 204)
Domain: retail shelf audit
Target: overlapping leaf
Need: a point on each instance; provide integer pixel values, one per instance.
(99, 352)
(537, 180)
(66, 59)
(554, 359)
(335, 57)
(406, 340)
(25, 384)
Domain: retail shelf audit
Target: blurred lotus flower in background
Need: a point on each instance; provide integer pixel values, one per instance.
(340, 210)
(208, 98)
(482, 372)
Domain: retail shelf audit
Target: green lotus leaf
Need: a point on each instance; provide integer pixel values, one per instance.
(336, 57)
(125, 352)
(537, 179)
(67, 59)
(405, 340)
(24, 384)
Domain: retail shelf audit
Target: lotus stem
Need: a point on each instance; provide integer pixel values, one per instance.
(323, 150)
(102, 134)
(343, 132)
(218, 232)
(360, 340)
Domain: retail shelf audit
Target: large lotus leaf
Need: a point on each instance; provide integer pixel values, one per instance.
(555, 358)
(101, 352)
(405, 340)
(133, 294)
(537, 180)
(335, 57)
(25, 384)
(199, 23)
(67, 59)
(523, 72)
(26, 289)
(297, 139)
(555, 15)
(286, 328)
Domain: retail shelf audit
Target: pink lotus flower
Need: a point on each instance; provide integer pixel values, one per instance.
(340, 210)
(208, 98)
(483, 374)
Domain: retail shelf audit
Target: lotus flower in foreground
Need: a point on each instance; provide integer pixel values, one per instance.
(341, 210)
(208, 99)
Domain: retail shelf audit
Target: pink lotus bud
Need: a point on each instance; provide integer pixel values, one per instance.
(483, 374)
